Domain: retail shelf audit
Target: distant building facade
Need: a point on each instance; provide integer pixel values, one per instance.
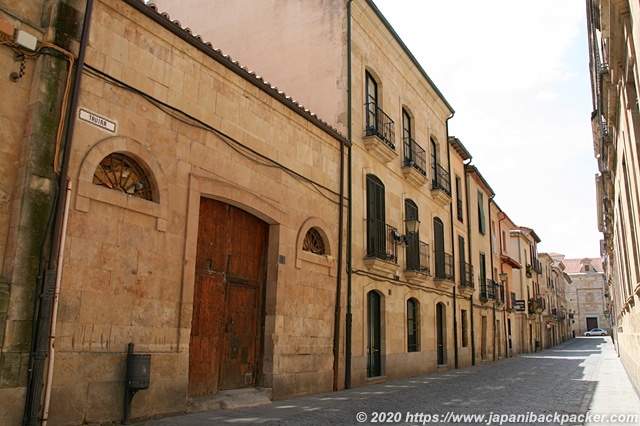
(587, 293)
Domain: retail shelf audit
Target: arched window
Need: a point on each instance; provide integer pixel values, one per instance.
(122, 173)
(313, 242)
(412, 325)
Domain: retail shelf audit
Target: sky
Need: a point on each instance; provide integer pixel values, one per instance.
(517, 75)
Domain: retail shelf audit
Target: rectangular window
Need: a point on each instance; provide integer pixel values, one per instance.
(504, 243)
(482, 227)
(406, 136)
(459, 198)
(493, 237)
(412, 325)
(464, 332)
(483, 276)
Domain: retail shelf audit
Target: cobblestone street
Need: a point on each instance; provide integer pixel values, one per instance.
(551, 387)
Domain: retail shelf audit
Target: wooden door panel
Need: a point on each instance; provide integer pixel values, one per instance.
(225, 334)
(207, 335)
(213, 236)
(240, 353)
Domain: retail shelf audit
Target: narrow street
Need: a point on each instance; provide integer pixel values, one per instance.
(578, 382)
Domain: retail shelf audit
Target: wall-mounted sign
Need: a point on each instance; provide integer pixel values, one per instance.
(519, 305)
(96, 120)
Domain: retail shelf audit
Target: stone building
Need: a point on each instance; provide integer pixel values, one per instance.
(400, 309)
(416, 306)
(508, 271)
(586, 294)
(194, 211)
(614, 32)
(528, 321)
(481, 254)
(553, 288)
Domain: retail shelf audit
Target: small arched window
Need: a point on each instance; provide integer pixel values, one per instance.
(313, 242)
(122, 173)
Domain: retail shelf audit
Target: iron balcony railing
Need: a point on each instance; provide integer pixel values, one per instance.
(380, 244)
(444, 265)
(441, 179)
(418, 256)
(537, 266)
(414, 156)
(379, 124)
(466, 279)
(488, 289)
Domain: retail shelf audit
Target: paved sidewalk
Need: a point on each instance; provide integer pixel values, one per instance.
(613, 393)
(583, 376)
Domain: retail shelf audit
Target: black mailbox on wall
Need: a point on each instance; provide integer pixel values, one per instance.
(138, 371)
(138, 378)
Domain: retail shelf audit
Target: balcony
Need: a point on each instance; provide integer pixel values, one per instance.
(537, 266)
(379, 137)
(418, 266)
(441, 184)
(414, 166)
(382, 252)
(466, 279)
(488, 290)
(444, 267)
(537, 305)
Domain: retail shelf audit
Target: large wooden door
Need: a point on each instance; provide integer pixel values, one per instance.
(225, 346)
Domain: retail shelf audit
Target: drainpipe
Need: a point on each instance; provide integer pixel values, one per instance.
(453, 256)
(493, 278)
(504, 303)
(473, 333)
(348, 325)
(52, 275)
(336, 320)
(54, 316)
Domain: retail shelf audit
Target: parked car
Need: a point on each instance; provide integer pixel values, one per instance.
(596, 332)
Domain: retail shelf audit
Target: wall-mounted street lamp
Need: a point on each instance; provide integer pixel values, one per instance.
(503, 277)
(411, 225)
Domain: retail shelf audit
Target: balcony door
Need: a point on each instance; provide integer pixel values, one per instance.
(412, 251)
(374, 335)
(371, 105)
(376, 221)
(441, 333)
(438, 245)
(463, 262)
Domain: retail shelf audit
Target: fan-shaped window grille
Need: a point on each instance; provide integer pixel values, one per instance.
(313, 242)
(122, 173)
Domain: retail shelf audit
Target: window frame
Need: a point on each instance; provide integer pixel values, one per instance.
(413, 325)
